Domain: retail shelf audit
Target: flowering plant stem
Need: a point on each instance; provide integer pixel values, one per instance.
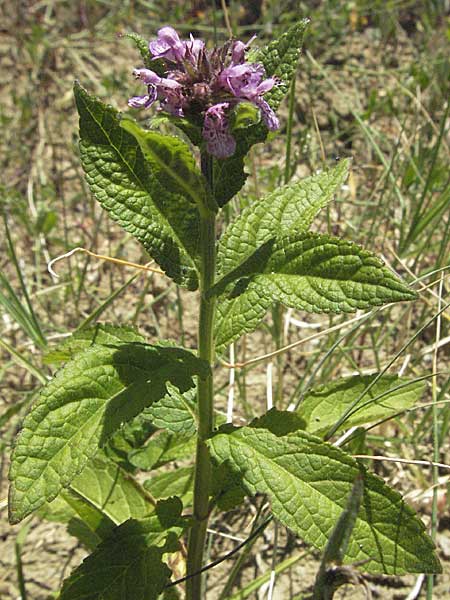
(202, 482)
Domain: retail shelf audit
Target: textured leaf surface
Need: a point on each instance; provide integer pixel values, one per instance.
(172, 483)
(78, 410)
(99, 498)
(107, 487)
(162, 449)
(322, 407)
(84, 521)
(309, 481)
(319, 273)
(241, 314)
(229, 175)
(82, 339)
(164, 221)
(280, 59)
(131, 435)
(175, 412)
(127, 565)
(311, 272)
(174, 166)
(290, 209)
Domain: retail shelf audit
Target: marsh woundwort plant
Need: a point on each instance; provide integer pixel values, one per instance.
(120, 404)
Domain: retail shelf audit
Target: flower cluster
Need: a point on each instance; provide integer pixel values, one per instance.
(205, 83)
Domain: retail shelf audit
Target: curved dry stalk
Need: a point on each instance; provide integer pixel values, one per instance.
(407, 461)
(117, 261)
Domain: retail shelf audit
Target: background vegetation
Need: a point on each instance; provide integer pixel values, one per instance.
(372, 85)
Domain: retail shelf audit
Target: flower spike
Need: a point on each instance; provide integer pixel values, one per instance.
(206, 83)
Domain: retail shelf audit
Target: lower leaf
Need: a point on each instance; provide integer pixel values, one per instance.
(128, 565)
(309, 482)
(77, 412)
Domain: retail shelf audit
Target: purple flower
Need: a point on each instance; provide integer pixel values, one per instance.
(219, 141)
(238, 50)
(194, 50)
(237, 77)
(205, 83)
(268, 115)
(246, 81)
(168, 45)
(168, 91)
(143, 101)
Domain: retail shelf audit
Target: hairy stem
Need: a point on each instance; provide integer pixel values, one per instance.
(202, 481)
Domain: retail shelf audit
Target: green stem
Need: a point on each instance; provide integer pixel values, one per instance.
(202, 481)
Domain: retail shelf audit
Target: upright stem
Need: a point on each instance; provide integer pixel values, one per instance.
(202, 481)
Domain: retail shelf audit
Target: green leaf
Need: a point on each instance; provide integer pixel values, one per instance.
(90, 398)
(179, 482)
(320, 273)
(83, 338)
(289, 209)
(176, 412)
(128, 565)
(279, 422)
(130, 436)
(98, 499)
(84, 521)
(169, 511)
(162, 449)
(191, 130)
(226, 489)
(243, 115)
(279, 59)
(130, 189)
(240, 314)
(323, 406)
(246, 242)
(107, 487)
(311, 272)
(174, 166)
(336, 547)
(309, 481)
(229, 175)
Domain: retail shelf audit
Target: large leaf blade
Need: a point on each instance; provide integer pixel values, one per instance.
(174, 166)
(106, 486)
(90, 398)
(166, 223)
(311, 272)
(320, 273)
(309, 481)
(289, 209)
(99, 498)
